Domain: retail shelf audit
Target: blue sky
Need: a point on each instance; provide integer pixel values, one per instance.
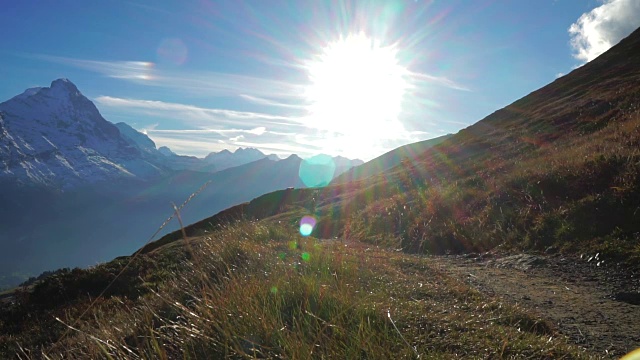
(202, 76)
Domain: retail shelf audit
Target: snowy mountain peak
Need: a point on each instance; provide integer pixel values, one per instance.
(61, 101)
(64, 86)
(29, 92)
(65, 91)
(56, 136)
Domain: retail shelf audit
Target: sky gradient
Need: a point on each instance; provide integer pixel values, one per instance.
(202, 76)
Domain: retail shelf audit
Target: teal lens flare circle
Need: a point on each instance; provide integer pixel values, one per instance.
(317, 171)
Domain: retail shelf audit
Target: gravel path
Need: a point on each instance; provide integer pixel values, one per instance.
(594, 303)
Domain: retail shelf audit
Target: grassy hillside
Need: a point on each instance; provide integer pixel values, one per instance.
(388, 160)
(253, 290)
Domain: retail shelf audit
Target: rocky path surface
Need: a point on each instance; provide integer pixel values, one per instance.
(594, 303)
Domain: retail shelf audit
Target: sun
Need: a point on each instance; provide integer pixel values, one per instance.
(356, 89)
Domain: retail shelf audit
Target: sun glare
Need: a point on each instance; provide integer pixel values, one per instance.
(356, 90)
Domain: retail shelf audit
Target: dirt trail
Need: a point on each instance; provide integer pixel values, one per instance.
(594, 303)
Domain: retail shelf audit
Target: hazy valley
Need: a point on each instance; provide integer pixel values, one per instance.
(78, 190)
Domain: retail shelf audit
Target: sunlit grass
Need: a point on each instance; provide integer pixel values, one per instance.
(578, 193)
(262, 291)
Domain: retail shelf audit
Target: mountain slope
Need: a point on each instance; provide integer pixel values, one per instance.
(388, 160)
(223, 190)
(136, 138)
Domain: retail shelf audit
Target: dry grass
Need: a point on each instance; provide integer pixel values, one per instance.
(578, 193)
(261, 291)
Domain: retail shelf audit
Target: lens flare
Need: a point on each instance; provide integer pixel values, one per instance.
(306, 225)
(317, 171)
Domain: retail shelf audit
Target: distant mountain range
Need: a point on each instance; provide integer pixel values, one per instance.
(76, 189)
(55, 136)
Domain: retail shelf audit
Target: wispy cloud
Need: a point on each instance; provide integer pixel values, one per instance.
(200, 83)
(214, 129)
(128, 70)
(256, 131)
(601, 28)
(438, 80)
(283, 149)
(282, 126)
(272, 103)
(196, 116)
(219, 84)
(194, 147)
(201, 143)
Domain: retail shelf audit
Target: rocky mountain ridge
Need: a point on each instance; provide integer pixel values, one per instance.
(56, 136)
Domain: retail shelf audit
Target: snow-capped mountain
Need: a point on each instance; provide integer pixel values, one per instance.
(56, 136)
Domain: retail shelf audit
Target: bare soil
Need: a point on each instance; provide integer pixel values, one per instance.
(593, 302)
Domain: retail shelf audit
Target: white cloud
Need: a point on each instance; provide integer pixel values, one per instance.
(196, 116)
(201, 143)
(206, 83)
(189, 146)
(221, 134)
(214, 129)
(258, 131)
(601, 28)
(268, 102)
(439, 80)
(128, 70)
(200, 83)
